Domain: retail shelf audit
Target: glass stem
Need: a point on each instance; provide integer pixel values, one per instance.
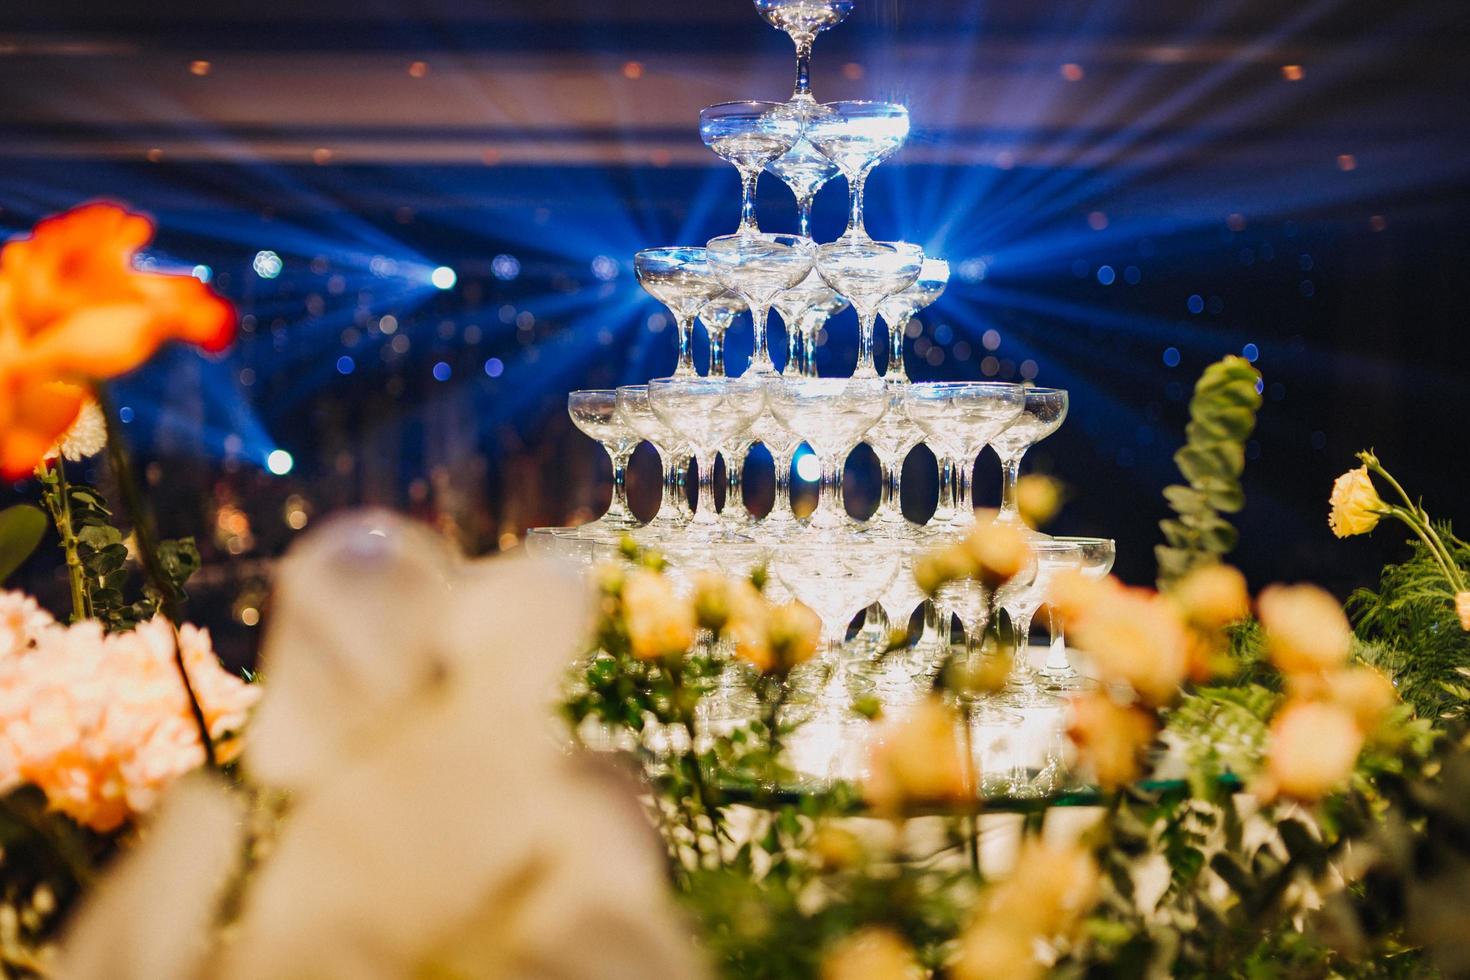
(668, 507)
(781, 506)
(760, 355)
(618, 507)
(944, 509)
(803, 88)
(855, 227)
(809, 345)
(1021, 627)
(748, 180)
(964, 501)
(734, 483)
(1056, 654)
(830, 510)
(793, 348)
(685, 367)
(896, 331)
(1011, 466)
(716, 353)
(866, 322)
(705, 511)
(804, 216)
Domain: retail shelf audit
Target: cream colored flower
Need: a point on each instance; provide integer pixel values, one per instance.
(1312, 749)
(1306, 628)
(1356, 506)
(1000, 550)
(659, 622)
(1110, 738)
(1213, 596)
(1364, 691)
(86, 437)
(22, 621)
(873, 953)
(1074, 594)
(794, 633)
(1462, 609)
(918, 756)
(991, 950)
(1136, 637)
(734, 608)
(1038, 498)
(934, 569)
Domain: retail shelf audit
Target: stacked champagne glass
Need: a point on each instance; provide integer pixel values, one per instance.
(839, 566)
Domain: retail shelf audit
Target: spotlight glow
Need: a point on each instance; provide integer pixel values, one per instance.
(279, 462)
(443, 277)
(202, 272)
(808, 467)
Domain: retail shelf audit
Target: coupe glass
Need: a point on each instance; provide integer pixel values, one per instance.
(867, 273)
(832, 415)
(1094, 558)
(805, 170)
(749, 135)
(1021, 599)
(857, 136)
(837, 578)
(1044, 412)
(717, 315)
(803, 20)
(595, 412)
(815, 319)
(892, 439)
(759, 268)
(959, 418)
(679, 278)
(899, 308)
(706, 413)
(637, 411)
(793, 305)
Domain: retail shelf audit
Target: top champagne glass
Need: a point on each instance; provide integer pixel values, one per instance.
(749, 135)
(857, 136)
(803, 20)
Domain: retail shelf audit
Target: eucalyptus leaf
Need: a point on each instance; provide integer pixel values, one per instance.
(21, 529)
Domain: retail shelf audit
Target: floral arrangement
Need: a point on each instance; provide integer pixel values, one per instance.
(1271, 785)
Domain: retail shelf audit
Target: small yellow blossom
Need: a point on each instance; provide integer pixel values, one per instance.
(1000, 550)
(1136, 637)
(1038, 498)
(918, 756)
(1366, 693)
(1213, 596)
(1356, 506)
(1110, 738)
(794, 633)
(660, 624)
(873, 953)
(1462, 609)
(1312, 749)
(1306, 629)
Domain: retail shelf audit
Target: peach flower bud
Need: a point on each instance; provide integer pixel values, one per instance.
(1312, 749)
(1364, 691)
(1051, 888)
(836, 848)
(794, 633)
(873, 953)
(1038, 498)
(1138, 639)
(991, 950)
(936, 568)
(918, 756)
(1110, 738)
(1306, 629)
(1462, 609)
(1000, 550)
(1074, 594)
(1356, 506)
(659, 623)
(1213, 596)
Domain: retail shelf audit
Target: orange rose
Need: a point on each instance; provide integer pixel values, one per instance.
(73, 309)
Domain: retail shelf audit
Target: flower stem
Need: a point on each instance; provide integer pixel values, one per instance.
(57, 499)
(168, 596)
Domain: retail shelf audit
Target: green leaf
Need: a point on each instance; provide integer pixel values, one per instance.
(21, 530)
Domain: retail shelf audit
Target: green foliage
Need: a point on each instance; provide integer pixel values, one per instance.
(1222, 416)
(21, 530)
(1410, 630)
(1223, 732)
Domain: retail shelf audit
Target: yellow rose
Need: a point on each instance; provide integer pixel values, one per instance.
(1136, 637)
(1050, 890)
(1213, 596)
(918, 756)
(1356, 506)
(793, 635)
(659, 623)
(1110, 738)
(1038, 498)
(873, 953)
(1364, 691)
(947, 564)
(1312, 749)
(1306, 629)
(992, 950)
(1000, 550)
(1462, 609)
